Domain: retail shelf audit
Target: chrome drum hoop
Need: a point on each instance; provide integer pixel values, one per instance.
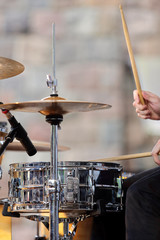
(28, 187)
(82, 185)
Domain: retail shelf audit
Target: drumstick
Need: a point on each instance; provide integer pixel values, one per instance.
(133, 64)
(124, 157)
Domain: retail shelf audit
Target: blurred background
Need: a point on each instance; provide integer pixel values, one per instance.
(92, 64)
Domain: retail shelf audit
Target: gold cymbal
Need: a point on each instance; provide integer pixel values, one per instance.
(39, 145)
(54, 105)
(9, 68)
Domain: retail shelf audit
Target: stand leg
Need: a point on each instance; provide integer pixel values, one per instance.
(38, 237)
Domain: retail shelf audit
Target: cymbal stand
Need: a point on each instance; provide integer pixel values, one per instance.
(37, 237)
(67, 234)
(53, 182)
(70, 231)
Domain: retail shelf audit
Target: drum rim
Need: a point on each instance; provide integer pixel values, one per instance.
(38, 166)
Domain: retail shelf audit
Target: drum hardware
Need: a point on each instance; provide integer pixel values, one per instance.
(54, 108)
(70, 231)
(68, 234)
(38, 237)
(37, 218)
(71, 188)
(43, 219)
(9, 68)
(54, 184)
(6, 213)
(73, 228)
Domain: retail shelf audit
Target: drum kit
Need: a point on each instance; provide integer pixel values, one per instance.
(40, 191)
(57, 191)
(78, 189)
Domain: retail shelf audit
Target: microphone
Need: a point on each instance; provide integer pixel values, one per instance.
(21, 134)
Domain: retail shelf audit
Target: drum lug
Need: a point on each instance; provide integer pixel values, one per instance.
(71, 189)
(53, 186)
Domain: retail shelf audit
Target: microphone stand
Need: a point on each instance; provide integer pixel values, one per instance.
(9, 138)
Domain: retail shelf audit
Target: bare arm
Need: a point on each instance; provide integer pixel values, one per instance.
(151, 110)
(155, 152)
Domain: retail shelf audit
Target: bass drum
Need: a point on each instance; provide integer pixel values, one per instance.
(82, 185)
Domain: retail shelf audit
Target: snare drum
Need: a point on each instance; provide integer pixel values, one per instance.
(82, 184)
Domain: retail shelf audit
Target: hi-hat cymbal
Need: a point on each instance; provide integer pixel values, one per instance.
(39, 145)
(54, 105)
(9, 68)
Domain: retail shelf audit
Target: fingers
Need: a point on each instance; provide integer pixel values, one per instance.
(140, 107)
(155, 152)
(149, 96)
(144, 113)
(136, 97)
(144, 116)
(137, 103)
(141, 110)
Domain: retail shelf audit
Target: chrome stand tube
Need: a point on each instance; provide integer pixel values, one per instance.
(53, 182)
(54, 195)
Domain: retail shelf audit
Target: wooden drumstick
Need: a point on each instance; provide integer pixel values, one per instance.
(124, 157)
(133, 64)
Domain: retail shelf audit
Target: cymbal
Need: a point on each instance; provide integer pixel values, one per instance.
(39, 145)
(54, 105)
(9, 68)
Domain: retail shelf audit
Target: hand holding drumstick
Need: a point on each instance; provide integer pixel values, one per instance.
(147, 104)
(151, 110)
